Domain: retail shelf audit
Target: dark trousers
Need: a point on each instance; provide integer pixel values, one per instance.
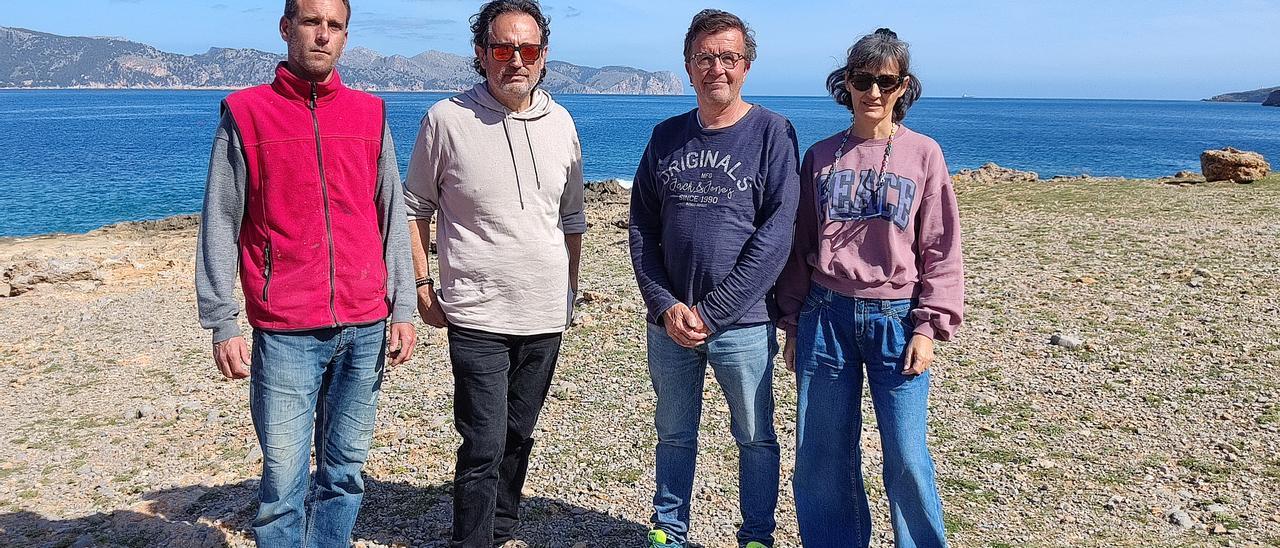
(500, 383)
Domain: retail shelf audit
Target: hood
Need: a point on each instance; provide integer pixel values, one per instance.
(540, 107)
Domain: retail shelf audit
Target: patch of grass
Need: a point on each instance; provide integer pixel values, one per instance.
(1116, 476)
(1004, 456)
(629, 476)
(86, 423)
(1270, 416)
(954, 523)
(981, 409)
(969, 489)
(124, 476)
(1051, 429)
(1231, 522)
(1272, 469)
(160, 375)
(1152, 461)
(1213, 472)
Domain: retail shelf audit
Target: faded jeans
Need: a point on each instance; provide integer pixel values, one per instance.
(319, 386)
(742, 360)
(836, 338)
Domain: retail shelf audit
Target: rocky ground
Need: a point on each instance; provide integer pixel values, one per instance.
(1153, 420)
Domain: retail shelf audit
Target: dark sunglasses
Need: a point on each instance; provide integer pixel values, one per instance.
(862, 81)
(505, 52)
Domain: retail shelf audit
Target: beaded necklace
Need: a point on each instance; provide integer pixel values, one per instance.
(884, 163)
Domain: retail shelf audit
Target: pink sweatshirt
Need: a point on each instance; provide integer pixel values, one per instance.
(897, 240)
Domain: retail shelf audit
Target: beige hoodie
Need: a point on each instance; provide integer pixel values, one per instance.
(508, 187)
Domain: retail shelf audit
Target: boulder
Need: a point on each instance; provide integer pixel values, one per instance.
(1230, 164)
(992, 173)
(1272, 100)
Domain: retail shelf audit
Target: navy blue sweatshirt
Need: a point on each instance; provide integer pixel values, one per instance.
(712, 216)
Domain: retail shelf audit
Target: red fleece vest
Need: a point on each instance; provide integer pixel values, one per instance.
(311, 246)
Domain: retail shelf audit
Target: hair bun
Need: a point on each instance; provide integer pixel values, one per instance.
(886, 32)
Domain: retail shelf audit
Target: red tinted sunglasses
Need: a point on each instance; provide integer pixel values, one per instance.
(505, 52)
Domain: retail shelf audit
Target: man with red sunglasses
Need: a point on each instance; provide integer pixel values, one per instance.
(502, 167)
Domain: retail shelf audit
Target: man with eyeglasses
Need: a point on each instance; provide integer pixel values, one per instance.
(501, 166)
(712, 213)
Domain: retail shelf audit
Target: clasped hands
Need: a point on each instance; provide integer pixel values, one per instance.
(685, 326)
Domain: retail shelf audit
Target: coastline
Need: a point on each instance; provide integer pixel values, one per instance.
(747, 96)
(990, 172)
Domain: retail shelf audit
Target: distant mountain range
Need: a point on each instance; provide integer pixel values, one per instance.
(1255, 96)
(30, 59)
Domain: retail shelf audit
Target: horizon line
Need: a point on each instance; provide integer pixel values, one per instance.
(745, 95)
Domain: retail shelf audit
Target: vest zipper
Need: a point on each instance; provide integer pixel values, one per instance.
(267, 282)
(324, 190)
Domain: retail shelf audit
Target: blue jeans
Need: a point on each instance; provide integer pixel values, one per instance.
(742, 360)
(836, 338)
(322, 384)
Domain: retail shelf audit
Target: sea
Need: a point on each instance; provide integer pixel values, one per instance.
(75, 160)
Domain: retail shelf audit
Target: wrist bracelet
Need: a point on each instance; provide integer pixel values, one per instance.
(425, 281)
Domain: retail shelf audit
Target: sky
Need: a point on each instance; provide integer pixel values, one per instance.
(1117, 49)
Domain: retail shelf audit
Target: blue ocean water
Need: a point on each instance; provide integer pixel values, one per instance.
(75, 160)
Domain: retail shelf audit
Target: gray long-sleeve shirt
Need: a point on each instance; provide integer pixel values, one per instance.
(218, 253)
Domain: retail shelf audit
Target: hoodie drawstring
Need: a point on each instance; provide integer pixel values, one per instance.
(515, 167)
(536, 177)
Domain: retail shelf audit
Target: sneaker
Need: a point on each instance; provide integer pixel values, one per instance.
(755, 544)
(658, 539)
(513, 543)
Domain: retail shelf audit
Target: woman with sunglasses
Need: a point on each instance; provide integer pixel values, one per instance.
(874, 278)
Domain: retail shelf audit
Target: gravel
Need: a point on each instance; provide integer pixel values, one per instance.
(1161, 429)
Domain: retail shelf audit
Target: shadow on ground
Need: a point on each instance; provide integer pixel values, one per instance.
(393, 513)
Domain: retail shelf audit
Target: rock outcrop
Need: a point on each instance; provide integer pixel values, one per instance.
(21, 276)
(608, 192)
(1251, 96)
(1273, 100)
(1184, 178)
(992, 173)
(1230, 164)
(167, 224)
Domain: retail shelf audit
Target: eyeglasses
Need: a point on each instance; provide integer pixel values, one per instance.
(504, 53)
(862, 81)
(728, 59)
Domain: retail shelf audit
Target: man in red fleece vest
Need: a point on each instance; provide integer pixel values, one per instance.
(304, 201)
